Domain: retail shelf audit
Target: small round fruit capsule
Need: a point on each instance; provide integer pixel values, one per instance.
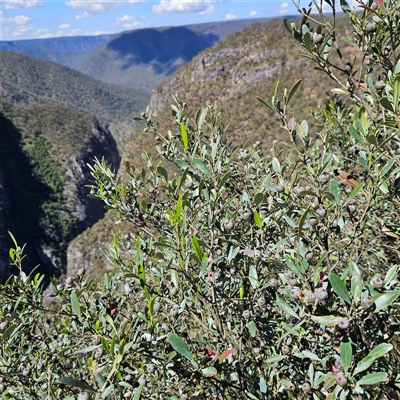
(285, 349)
(273, 282)
(188, 183)
(26, 371)
(339, 364)
(318, 38)
(150, 368)
(306, 387)
(157, 306)
(341, 379)
(321, 294)
(83, 396)
(247, 215)
(312, 221)
(309, 256)
(261, 301)
(371, 26)
(321, 212)
(309, 296)
(377, 282)
(228, 225)
(295, 293)
(280, 188)
(324, 178)
(366, 301)
(246, 314)
(351, 208)
(344, 323)
(98, 353)
(173, 291)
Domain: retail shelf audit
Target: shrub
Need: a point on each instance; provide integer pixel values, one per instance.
(252, 276)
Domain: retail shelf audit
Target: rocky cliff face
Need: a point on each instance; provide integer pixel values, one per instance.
(43, 174)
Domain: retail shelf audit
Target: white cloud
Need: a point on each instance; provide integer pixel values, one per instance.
(284, 8)
(46, 36)
(231, 15)
(84, 15)
(64, 26)
(133, 25)
(19, 20)
(183, 6)
(20, 4)
(92, 7)
(254, 13)
(125, 18)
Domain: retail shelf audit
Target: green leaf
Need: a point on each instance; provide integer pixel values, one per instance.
(265, 103)
(162, 172)
(202, 166)
(287, 25)
(353, 132)
(224, 179)
(184, 136)
(76, 307)
(327, 320)
(346, 354)
(386, 299)
(263, 385)
(334, 189)
(373, 355)
(301, 222)
(209, 372)
(286, 307)
(253, 276)
(200, 117)
(354, 193)
(276, 165)
(75, 383)
(258, 199)
(258, 219)
(293, 90)
(385, 103)
(138, 392)
(380, 350)
(339, 287)
(396, 92)
(274, 359)
(373, 378)
(391, 275)
(388, 166)
(251, 326)
(108, 390)
(196, 247)
(310, 355)
(181, 347)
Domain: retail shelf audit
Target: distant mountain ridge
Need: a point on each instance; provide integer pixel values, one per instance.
(140, 58)
(28, 80)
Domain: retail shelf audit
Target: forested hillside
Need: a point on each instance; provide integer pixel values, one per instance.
(28, 80)
(43, 200)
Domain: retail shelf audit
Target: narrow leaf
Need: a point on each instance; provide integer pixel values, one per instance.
(181, 347)
(75, 383)
(202, 166)
(286, 307)
(339, 287)
(346, 355)
(184, 136)
(374, 378)
(76, 307)
(386, 299)
(293, 90)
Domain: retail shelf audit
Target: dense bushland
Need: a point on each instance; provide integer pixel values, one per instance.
(254, 276)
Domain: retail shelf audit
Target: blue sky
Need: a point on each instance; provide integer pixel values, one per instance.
(29, 19)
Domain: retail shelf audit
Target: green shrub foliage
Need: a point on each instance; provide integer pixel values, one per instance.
(253, 276)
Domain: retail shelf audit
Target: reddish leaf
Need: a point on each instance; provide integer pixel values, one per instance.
(226, 354)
